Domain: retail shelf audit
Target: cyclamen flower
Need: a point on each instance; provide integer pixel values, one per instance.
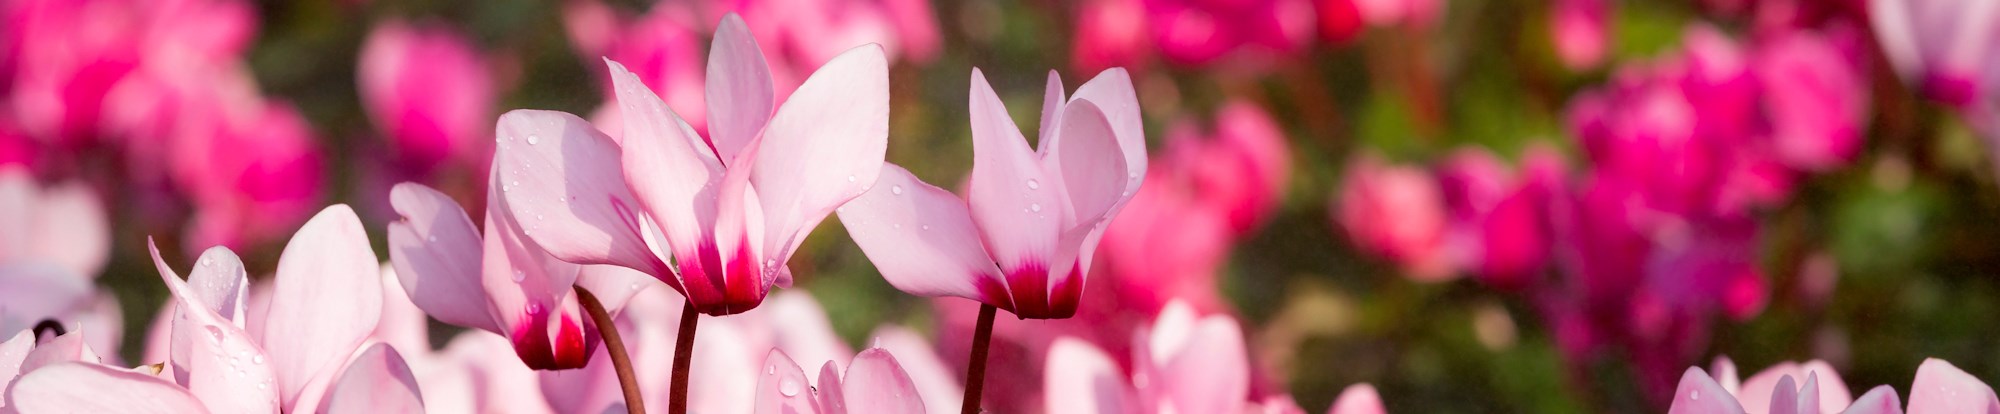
(716, 217)
(1023, 237)
(57, 243)
(873, 383)
(428, 91)
(1939, 388)
(1396, 212)
(1947, 49)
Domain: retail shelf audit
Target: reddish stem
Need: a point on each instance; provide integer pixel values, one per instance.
(615, 346)
(975, 373)
(683, 357)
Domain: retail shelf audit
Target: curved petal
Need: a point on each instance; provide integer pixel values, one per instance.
(378, 381)
(783, 387)
(935, 380)
(824, 146)
(77, 387)
(327, 265)
(739, 88)
(801, 327)
(1699, 394)
(403, 325)
(12, 354)
(1112, 91)
(556, 171)
(1017, 207)
(1053, 103)
(1090, 166)
(436, 254)
(1943, 388)
(674, 175)
(832, 397)
(1757, 390)
(530, 291)
(1081, 379)
(1206, 370)
(1880, 400)
(1892, 21)
(64, 348)
(1357, 399)
(613, 285)
(1784, 397)
(875, 383)
(922, 239)
(212, 356)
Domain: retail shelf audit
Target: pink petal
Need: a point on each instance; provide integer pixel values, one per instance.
(378, 381)
(435, 251)
(1357, 399)
(212, 356)
(824, 146)
(71, 229)
(327, 265)
(802, 328)
(1943, 388)
(556, 171)
(530, 291)
(936, 382)
(922, 239)
(783, 387)
(613, 285)
(12, 354)
(739, 88)
(1880, 400)
(1086, 153)
(1784, 397)
(1699, 394)
(1757, 390)
(37, 291)
(65, 348)
(1015, 203)
(1053, 102)
(497, 387)
(1893, 30)
(875, 383)
(1809, 401)
(832, 396)
(78, 387)
(1201, 364)
(403, 325)
(1081, 379)
(1112, 92)
(671, 171)
(648, 327)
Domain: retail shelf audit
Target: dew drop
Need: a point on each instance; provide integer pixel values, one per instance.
(520, 276)
(789, 387)
(927, 227)
(538, 217)
(770, 370)
(516, 183)
(214, 333)
(534, 139)
(896, 189)
(1131, 175)
(433, 238)
(257, 359)
(770, 263)
(1036, 207)
(206, 261)
(264, 385)
(1694, 395)
(635, 286)
(1034, 185)
(850, 178)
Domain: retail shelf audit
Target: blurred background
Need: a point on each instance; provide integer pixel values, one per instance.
(1475, 205)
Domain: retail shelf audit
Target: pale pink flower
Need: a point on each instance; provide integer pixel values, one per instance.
(1580, 31)
(1946, 49)
(872, 383)
(428, 91)
(1939, 388)
(1181, 363)
(1397, 212)
(714, 217)
(1024, 236)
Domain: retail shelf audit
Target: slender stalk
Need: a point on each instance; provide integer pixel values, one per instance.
(615, 345)
(677, 400)
(975, 373)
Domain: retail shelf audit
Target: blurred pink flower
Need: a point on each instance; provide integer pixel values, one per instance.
(1024, 236)
(1816, 97)
(729, 208)
(1946, 49)
(69, 58)
(1414, 13)
(57, 243)
(800, 35)
(660, 48)
(1190, 32)
(428, 91)
(1580, 30)
(1499, 225)
(1939, 388)
(252, 171)
(1397, 212)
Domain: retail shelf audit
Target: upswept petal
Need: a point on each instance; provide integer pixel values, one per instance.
(1357, 399)
(1943, 388)
(1016, 205)
(1895, 32)
(1112, 91)
(212, 356)
(739, 88)
(1081, 379)
(530, 292)
(377, 381)
(1202, 366)
(1088, 161)
(875, 383)
(670, 170)
(436, 253)
(12, 353)
(1756, 391)
(327, 265)
(739, 279)
(1880, 400)
(1700, 394)
(64, 348)
(79, 387)
(831, 396)
(403, 324)
(1784, 397)
(1053, 102)
(783, 387)
(936, 382)
(558, 171)
(823, 147)
(922, 239)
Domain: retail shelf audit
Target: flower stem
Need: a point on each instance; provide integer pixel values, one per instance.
(975, 373)
(615, 346)
(683, 356)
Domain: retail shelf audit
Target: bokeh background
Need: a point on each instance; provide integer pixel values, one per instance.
(1475, 205)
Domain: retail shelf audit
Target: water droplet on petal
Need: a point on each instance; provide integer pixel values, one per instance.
(850, 178)
(789, 387)
(206, 261)
(1694, 395)
(520, 276)
(896, 189)
(770, 370)
(927, 227)
(1036, 207)
(257, 359)
(1034, 185)
(534, 139)
(433, 238)
(214, 333)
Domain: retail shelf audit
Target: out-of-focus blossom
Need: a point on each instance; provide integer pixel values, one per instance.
(1500, 227)
(1397, 212)
(1580, 31)
(1946, 49)
(251, 171)
(68, 58)
(1205, 194)
(1024, 236)
(1816, 98)
(1939, 388)
(661, 48)
(58, 241)
(1762, 390)
(872, 383)
(498, 282)
(802, 35)
(714, 217)
(1115, 33)
(1415, 13)
(428, 91)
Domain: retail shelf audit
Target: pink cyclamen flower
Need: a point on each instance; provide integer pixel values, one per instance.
(1947, 49)
(428, 91)
(1580, 31)
(1023, 237)
(1939, 388)
(1397, 212)
(873, 383)
(1761, 390)
(715, 217)
(498, 282)
(1816, 97)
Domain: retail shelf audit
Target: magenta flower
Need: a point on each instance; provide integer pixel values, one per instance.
(1023, 237)
(1580, 31)
(714, 217)
(1114, 33)
(660, 48)
(428, 91)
